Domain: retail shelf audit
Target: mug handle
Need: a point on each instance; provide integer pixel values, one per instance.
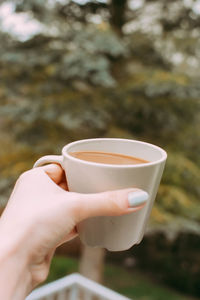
(48, 159)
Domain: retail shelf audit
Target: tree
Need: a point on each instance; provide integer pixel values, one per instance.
(92, 263)
(117, 10)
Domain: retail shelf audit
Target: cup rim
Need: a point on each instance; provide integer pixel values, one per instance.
(66, 147)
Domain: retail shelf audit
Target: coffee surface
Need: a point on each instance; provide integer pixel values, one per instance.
(107, 158)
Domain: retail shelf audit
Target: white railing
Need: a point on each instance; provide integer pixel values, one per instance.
(74, 287)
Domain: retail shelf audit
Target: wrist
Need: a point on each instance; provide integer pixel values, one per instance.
(15, 277)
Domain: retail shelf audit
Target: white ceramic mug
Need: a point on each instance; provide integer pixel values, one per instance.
(120, 232)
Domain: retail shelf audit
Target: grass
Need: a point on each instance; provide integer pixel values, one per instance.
(62, 266)
(134, 284)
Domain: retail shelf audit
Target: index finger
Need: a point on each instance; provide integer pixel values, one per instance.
(55, 172)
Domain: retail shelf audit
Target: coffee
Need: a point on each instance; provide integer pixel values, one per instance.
(108, 158)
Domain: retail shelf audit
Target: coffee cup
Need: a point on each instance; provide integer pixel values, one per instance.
(119, 232)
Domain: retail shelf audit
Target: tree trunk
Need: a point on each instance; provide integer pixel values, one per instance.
(92, 263)
(117, 14)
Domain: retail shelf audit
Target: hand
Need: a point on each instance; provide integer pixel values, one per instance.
(41, 214)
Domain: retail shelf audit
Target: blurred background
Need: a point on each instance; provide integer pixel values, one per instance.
(123, 68)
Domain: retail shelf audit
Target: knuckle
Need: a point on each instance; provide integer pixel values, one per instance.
(74, 206)
(40, 276)
(24, 175)
(27, 175)
(116, 202)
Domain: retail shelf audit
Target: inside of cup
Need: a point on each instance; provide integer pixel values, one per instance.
(134, 148)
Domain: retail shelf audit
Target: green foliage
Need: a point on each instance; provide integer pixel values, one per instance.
(78, 55)
(99, 40)
(173, 202)
(62, 266)
(158, 106)
(89, 59)
(175, 261)
(81, 65)
(133, 284)
(182, 172)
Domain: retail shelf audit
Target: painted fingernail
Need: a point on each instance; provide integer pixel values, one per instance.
(137, 198)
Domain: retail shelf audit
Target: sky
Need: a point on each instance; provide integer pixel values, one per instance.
(21, 25)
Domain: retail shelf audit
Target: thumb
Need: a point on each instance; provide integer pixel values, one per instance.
(111, 203)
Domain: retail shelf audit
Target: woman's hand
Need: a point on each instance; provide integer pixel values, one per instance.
(41, 214)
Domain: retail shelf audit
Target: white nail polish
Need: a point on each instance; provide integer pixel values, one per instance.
(137, 198)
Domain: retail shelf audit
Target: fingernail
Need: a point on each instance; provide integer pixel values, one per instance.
(137, 198)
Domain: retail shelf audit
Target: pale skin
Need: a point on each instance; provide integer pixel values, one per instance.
(41, 214)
